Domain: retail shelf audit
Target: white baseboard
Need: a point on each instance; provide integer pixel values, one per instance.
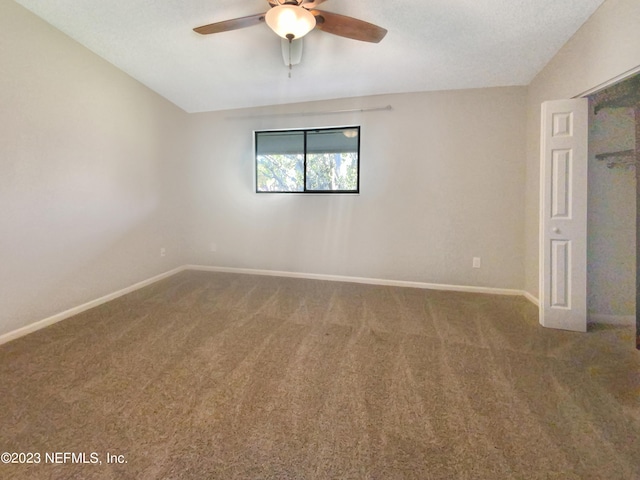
(365, 280)
(619, 320)
(7, 337)
(20, 332)
(531, 298)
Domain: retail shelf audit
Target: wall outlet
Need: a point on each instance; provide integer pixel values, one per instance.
(213, 247)
(476, 262)
(163, 252)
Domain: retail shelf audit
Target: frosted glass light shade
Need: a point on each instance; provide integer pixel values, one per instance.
(290, 20)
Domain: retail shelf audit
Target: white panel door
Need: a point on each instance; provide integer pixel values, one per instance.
(563, 214)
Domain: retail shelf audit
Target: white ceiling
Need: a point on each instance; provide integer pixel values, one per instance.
(431, 45)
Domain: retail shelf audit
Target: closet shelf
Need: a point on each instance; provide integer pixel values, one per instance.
(622, 153)
(625, 159)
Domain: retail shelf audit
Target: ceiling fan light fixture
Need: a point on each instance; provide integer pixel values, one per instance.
(290, 21)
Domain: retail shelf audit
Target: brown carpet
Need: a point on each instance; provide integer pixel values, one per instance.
(223, 376)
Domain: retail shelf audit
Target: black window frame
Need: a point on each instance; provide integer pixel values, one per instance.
(306, 191)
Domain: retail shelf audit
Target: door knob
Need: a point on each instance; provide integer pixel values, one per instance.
(555, 230)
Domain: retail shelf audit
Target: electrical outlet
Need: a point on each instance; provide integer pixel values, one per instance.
(163, 252)
(476, 262)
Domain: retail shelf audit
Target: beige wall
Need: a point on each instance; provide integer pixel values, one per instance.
(606, 46)
(89, 174)
(441, 182)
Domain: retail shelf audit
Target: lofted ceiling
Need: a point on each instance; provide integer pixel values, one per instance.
(431, 45)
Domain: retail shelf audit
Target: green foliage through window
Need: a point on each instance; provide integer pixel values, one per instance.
(308, 161)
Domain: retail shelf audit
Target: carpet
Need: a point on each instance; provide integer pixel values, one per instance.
(225, 376)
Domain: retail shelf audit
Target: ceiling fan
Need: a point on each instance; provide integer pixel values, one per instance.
(293, 19)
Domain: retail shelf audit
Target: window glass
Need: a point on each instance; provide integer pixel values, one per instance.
(308, 161)
(280, 161)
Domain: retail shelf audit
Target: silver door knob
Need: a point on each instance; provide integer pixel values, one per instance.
(555, 230)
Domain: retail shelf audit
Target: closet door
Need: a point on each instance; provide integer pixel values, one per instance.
(563, 214)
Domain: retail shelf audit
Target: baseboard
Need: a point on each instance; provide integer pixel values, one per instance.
(531, 298)
(365, 280)
(20, 332)
(618, 320)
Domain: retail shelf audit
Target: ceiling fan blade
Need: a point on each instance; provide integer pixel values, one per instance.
(228, 25)
(348, 27)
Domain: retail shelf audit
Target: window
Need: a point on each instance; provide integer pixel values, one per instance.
(323, 160)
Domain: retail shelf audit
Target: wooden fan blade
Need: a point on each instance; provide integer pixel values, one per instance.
(348, 27)
(228, 25)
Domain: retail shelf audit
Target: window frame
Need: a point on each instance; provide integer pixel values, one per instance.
(306, 191)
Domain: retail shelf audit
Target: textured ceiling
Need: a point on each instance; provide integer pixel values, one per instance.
(431, 45)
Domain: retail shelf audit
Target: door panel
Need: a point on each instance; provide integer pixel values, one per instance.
(560, 278)
(561, 184)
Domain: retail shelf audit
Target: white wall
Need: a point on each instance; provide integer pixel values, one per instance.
(90, 174)
(442, 178)
(606, 46)
(611, 245)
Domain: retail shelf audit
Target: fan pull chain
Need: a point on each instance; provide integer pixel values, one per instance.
(290, 37)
